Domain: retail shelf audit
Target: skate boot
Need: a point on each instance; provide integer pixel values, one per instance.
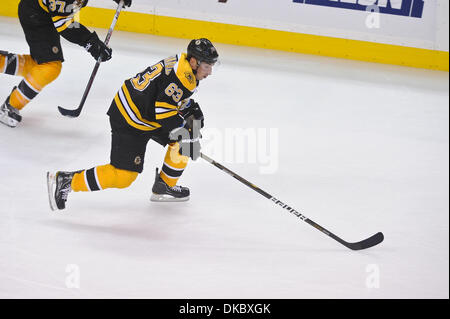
(164, 193)
(59, 187)
(9, 115)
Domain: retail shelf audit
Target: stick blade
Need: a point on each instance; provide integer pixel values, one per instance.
(367, 243)
(69, 113)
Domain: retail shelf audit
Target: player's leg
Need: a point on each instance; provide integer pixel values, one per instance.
(35, 80)
(127, 161)
(13, 64)
(165, 187)
(39, 69)
(16, 64)
(60, 184)
(8, 63)
(38, 77)
(102, 177)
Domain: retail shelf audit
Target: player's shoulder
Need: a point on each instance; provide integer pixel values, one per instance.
(60, 8)
(178, 66)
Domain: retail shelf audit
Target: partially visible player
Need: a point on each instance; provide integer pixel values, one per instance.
(155, 104)
(43, 22)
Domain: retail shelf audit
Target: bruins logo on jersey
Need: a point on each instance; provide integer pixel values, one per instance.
(189, 77)
(138, 160)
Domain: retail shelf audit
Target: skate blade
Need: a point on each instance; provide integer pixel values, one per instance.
(51, 181)
(167, 198)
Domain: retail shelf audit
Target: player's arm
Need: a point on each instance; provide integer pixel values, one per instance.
(192, 112)
(184, 128)
(75, 32)
(71, 30)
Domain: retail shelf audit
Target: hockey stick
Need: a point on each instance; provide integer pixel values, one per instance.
(77, 111)
(364, 244)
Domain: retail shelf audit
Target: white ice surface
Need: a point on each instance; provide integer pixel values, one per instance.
(361, 148)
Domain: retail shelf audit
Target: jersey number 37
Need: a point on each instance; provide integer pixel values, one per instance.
(55, 5)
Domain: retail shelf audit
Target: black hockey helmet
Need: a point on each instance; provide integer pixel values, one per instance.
(202, 50)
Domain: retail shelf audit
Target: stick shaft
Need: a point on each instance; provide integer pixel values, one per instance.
(114, 22)
(253, 186)
(372, 241)
(97, 65)
(77, 111)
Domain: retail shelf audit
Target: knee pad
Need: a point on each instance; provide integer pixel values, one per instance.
(35, 80)
(111, 177)
(26, 64)
(43, 74)
(125, 178)
(102, 177)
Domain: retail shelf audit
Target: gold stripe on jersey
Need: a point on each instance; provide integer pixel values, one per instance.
(43, 6)
(62, 23)
(185, 74)
(162, 116)
(166, 105)
(164, 110)
(131, 113)
(127, 117)
(134, 107)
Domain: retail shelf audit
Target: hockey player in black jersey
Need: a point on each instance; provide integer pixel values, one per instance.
(155, 104)
(43, 22)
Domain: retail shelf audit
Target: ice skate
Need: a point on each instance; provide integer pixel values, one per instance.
(9, 115)
(164, 193)
(59, 187)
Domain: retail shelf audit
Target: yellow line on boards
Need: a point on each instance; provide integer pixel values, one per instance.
(258, 37)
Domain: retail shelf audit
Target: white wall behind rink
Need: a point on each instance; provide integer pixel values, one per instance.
(429, 32)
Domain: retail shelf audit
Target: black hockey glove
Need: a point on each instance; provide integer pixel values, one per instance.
(97, 48)
(193, 112)
(126, 3)
(189, 139)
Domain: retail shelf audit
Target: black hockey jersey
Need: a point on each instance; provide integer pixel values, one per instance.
(154, 97)
(63, 15)
(62, 12)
